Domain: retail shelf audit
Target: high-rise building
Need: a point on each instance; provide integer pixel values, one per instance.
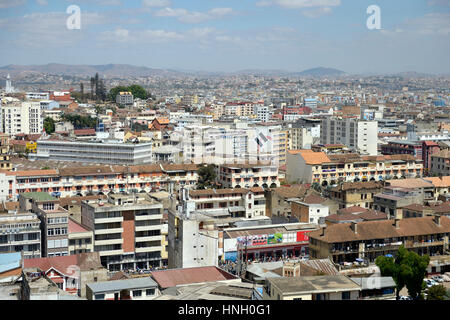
(22, 117)
(355, 134)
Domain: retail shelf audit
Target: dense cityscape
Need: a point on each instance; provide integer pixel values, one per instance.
(120, 182)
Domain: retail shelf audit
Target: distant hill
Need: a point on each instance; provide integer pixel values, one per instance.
(321, 72)
(108, 70)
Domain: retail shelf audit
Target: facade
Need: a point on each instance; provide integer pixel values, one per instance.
(20, 232)
(329, 287)
(355, 134)
(312, 209)
(349, 194)
(21, 117)
(129, 289)
(346, 242)
(440, 163)
(306, 166)
(80, 239)
(127, 231)
(392, 199)
(83, 151)
(237, 202)
(192, 240)
(102, 179)
(240, 175)
(125, 98)
(5, 163)
(54, 222)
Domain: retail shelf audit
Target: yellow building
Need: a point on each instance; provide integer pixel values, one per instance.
(5, 164)
(31, 146)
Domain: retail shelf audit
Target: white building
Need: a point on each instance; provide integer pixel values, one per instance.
(9, 88)
(98, 152)
(22, 117)
(262, 112)
(125, 98)
(356, 134)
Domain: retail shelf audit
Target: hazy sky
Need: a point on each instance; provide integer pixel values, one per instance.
(230, 35)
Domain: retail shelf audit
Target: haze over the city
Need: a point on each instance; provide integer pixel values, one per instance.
(230, 35)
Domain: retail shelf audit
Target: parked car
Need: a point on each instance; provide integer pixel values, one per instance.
(430, 283)
(438, 279)
(405, 298)
(446, 277)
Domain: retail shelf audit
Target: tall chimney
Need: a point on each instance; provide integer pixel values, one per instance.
(437, 220)
(396, 223)
(323, 232)
(354, 227)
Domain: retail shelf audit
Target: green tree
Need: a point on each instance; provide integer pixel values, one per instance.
(437, 292)
(206, 176)
(407, 269)
(115, 91)
(49, 125)
(138, 91)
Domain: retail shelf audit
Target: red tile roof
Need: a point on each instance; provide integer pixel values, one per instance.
(74, 227)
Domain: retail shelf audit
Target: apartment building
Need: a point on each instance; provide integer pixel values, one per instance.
(262, 113)
(237, 202)
(97, 152)
(355, 134)
(307, 166)
(240, 175)
(311, 209)
(125, 98)
(20, 232)
(302, 136)
(21, 117)
(101, 179)
(54, 222)
(5, 163)
(361, 194)
(81, 240)
(127, 230)
(440, 163)
(392, 200)
(346, 242)
(193, 240)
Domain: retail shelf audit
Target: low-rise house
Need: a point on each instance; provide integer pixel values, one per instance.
(313, 209)
(129, 289)
(349, 194)
(376, 288)
(328, 287)
(368, 215)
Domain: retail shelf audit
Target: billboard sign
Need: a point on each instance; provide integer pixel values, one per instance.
(275, 238)
(302, 236)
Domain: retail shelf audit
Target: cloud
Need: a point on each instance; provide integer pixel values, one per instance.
(186, 16)
(299, 4)
(156, 3)
(430, 24)
(42, 2)
(11, 3)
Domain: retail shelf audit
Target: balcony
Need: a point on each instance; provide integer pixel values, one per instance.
(148, 249)
(151, 238)
(424, 244)
(109, 241)
(106, 231)
(109, 220)
(149, 228)
(148, 217)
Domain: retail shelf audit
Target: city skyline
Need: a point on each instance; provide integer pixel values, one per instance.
(228, 36)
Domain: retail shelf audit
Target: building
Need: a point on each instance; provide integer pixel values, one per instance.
(242, 175)
(127, 230)
(5, 163)
(20, 232)
(8, 87)
(54, 222)
(306, 166)
(237, 202)
(72, 272)
(193, 241)
(125, 98)
(349, 194)
(128, 289)
(278, 200)
(81, 240)
(346, 242)
(312, 209)
(97, 152)
(21, 117)
(356, 134)
(364, 215)
(440, 163)
(392, 199)
(376, 288)
(10, 270)
(328, 287)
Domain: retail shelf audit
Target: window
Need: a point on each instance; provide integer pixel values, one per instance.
(100, 296)
(346, 295)
(150, 292)
(137, 293)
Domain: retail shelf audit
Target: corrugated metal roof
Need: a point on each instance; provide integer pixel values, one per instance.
(127, 284)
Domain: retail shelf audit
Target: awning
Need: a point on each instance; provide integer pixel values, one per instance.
(236, 209)
(389, 255)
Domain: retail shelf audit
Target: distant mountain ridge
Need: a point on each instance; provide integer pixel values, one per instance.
(321, 71)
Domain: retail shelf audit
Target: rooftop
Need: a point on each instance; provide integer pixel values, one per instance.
(118, 285)
(313, 284)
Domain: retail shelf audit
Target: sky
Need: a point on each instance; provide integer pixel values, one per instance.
(230, 35)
